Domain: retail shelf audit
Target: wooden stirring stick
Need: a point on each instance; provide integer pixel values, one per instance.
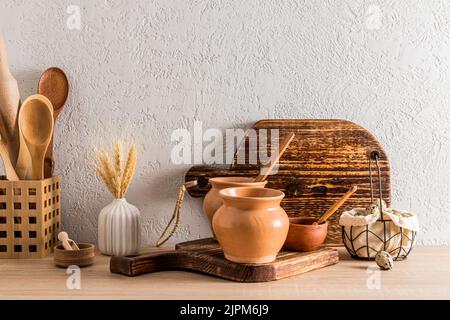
(336, 206)
(286, 141)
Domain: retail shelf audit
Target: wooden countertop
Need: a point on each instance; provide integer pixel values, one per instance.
(424, 275)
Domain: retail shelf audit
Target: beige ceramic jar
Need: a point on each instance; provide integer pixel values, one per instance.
(213, 201)
(251, 226)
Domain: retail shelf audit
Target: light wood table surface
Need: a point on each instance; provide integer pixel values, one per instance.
(424, 275)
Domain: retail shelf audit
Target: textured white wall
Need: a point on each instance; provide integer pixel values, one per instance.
(140, 69)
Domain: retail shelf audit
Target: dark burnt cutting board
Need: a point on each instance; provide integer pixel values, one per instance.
(323, 161)
(206, 256)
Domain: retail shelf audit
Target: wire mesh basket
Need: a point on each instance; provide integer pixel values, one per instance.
(364, 242)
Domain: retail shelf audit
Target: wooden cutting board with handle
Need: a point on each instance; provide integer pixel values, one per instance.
(325, 159)
(206, 256)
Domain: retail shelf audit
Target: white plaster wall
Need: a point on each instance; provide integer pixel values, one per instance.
(140, 69)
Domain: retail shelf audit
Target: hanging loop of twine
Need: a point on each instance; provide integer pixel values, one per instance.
(175, 219)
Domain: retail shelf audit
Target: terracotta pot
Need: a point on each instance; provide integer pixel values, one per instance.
(303, 235)
(251, 226)
(213, 201)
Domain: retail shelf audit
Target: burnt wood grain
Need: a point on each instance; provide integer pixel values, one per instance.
(206, 256)
(323, 161)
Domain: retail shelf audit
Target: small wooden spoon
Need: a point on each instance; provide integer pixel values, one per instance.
(68, 244)
(286, 141)
(336, 206)
(55, 86)
(36, 128)
(11, 174)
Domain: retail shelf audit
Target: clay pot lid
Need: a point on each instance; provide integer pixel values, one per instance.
(249, 193)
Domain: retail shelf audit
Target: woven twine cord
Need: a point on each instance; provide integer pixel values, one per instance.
(175, 215)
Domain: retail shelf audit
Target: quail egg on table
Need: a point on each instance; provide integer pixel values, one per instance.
(384, 260)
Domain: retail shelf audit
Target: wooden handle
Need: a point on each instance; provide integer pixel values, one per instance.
(146, 263)
(37, 168)
(23, 164)
(73, 244)
(11, 174)
(48, 161)
(4, 67)
(337, 205)
(286, 141)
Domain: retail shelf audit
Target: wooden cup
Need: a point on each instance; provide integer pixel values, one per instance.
(82, 258)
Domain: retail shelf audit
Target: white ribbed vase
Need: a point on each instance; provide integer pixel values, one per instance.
(119, 229)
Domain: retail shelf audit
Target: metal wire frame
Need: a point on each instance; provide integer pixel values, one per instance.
(400, 252)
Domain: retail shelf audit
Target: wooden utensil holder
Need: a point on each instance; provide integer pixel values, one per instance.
(30, 217)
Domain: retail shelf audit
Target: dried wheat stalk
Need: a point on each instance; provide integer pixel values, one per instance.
(118, 165)
(129, 170)
(105, 179)
(116, 178)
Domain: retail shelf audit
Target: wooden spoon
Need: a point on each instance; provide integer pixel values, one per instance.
(55, 86)
(36, 128)
(11, 174)
(68, 244)
(286, 141)
(336, 206)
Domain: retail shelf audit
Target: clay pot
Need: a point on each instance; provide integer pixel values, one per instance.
(303, 235)
(251, 226)
(213, 201)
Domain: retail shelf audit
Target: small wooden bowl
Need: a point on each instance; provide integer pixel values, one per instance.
(303, 235)
(82, 258)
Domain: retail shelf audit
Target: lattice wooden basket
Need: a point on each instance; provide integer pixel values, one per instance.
(30, 217)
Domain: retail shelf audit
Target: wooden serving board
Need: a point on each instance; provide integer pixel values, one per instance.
(323, 161)
(206, 256)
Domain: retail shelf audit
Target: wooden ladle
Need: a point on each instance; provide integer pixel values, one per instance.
(336, 206)
(36, 128)
(267, 171)
(55, 86)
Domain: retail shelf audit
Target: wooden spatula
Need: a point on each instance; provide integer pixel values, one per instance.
(284, 144)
